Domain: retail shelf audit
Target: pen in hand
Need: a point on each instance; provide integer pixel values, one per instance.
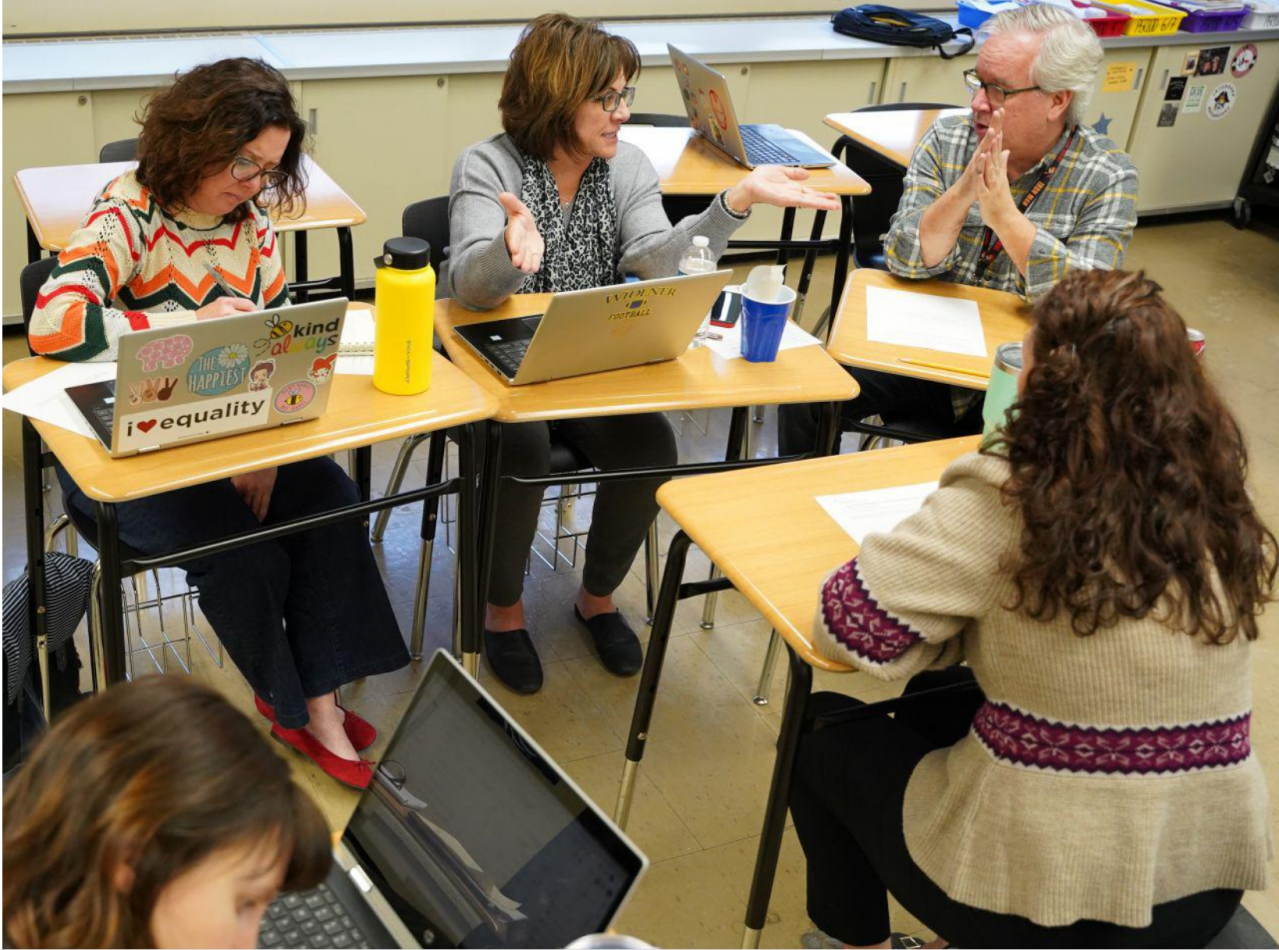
(221, 281)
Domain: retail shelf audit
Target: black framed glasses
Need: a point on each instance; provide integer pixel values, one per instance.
(612, 98)
(246, 169)
(994, 92)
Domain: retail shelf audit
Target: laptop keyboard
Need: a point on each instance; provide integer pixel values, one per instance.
(314, 918)
(761, 150)
(508, 356)
(105, 414)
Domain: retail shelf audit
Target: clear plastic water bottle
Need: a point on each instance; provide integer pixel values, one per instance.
(698, 259)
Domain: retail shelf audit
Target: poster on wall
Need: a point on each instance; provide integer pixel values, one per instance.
(1194, 98)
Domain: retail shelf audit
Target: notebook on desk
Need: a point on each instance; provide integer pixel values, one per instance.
(214, 378)
(710, 110)
(469, 836)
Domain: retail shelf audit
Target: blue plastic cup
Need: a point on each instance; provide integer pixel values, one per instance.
(763, 325)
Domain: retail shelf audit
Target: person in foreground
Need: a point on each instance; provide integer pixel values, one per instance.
(154, 815)
(308, 613)
(558, 203)
(1012, 196)
(1101, 568)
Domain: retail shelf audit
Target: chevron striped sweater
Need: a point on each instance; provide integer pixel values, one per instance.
(133, 266)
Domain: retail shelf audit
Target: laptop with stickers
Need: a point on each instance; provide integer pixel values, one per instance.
(214, 378)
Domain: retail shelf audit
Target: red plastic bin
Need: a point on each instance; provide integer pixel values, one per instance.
(1111, 25)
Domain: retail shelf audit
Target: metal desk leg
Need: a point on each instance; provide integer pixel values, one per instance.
(841, 259)
(810, 263)
(664, 616)
(430, 517)
(111, 623)
(300, 264)
(765, 685)
(469, 548)
(490, 482)
(770, 839)
(33, 499)
(364, 473)
(346, 262)
(827, 429)
(737, 433)
(34, 250)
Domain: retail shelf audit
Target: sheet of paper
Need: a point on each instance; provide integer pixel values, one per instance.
(729, 346)
(879, 510)
(357, 333)
(353, 365)
(46, 398)
(905, 318)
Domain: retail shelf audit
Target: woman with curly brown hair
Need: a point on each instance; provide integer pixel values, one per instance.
(122, 833)
(1100, 567)
(308, 613)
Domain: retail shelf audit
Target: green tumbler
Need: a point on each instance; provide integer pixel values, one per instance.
(1002, 391)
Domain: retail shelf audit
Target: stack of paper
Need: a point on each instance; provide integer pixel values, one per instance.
(926, 321)
(355, 352)
(46, 398)
(879, 510)
(729, 344)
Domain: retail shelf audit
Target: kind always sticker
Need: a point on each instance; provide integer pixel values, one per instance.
(163, 425)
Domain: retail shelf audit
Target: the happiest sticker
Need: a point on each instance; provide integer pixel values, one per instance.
(294, 397)
(164, 353)
(219, 370)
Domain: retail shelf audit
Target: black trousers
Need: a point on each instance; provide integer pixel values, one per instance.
(623, 510)
(847, 799)
(301, 615)
(895, 399)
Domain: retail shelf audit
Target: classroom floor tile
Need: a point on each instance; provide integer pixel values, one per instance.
(701, 791)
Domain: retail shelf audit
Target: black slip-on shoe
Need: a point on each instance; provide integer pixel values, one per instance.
(618, 647)
(513, 659)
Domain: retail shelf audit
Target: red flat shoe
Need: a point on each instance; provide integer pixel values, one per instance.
(359, 730)
(355, 773)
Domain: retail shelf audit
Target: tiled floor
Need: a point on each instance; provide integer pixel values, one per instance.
(701, 791)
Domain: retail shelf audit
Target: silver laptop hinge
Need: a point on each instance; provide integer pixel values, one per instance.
(360, 879)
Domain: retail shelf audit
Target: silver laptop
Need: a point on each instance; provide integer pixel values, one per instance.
(710, 110)
(590, 331)
(469, 836)
(213, 378)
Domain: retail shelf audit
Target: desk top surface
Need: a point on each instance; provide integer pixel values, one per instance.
(777, 551)
(891, 135)
(1004, 319)
(357, 415)
(697, 380)
(57, 198)
(689, 165)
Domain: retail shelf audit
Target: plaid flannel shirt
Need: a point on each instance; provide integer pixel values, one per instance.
(1084, 216)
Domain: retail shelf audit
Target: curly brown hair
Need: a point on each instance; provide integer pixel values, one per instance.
(559, 62)
(197, 126)
(1129, 470)
(155, 775)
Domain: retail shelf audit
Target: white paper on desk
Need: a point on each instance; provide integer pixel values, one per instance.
(353, 365)
(730, 346)
(357, 334)
(879, 510)
(905, 318)
(46, 398)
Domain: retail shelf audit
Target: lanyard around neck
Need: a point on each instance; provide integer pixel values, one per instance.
(991, 246)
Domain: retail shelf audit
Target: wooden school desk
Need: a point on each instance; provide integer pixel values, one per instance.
(688, 165)
(697, 380)
(56, 200)
(891, 134)
(776, 555)
(357, 416)
(1004, 319)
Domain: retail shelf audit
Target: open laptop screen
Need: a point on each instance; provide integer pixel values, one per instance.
(477, 839)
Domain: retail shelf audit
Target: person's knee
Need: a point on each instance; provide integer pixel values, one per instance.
(247, 579)
(526, 450)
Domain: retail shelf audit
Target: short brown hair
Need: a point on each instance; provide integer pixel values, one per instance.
(1129, 471)
(198, 125)
(558, 64)
(155, 775)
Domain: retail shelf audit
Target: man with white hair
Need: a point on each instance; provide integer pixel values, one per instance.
(1010, 196)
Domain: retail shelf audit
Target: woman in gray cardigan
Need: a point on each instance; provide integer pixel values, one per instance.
(557, 203)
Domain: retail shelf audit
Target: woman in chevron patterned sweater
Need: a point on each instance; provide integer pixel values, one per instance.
(308, 613)
(1101, 570)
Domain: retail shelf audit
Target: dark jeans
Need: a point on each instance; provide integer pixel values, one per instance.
(301, 615)
(896, 399)
(847, 799)
(623, 510)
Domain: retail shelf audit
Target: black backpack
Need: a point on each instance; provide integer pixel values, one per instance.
(900, 28)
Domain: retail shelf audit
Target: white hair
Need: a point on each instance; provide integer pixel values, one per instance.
(1069, 58)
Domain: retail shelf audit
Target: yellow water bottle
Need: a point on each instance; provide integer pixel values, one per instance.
(403, 330)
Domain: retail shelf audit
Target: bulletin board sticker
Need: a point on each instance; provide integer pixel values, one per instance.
(1167, 115)
(1176, 89)
(1119, 77)
(1192, 60)
(1222, 100)
(1244, 59)
(1194, 98)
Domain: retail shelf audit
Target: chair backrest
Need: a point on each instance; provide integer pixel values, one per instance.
(661, 120)
(871, 213)
(125, 150)
(34, 276)
(429, 220)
